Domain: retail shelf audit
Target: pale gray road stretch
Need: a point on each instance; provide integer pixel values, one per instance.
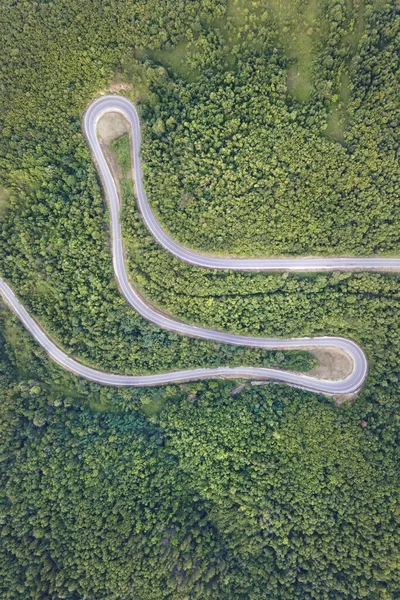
(347, 386)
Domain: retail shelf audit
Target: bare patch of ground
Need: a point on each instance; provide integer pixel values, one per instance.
(120, 86)
(333, 363)
(111, 126)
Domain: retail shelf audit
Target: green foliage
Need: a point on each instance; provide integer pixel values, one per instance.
(243, 168)
(268, 493)
(259, 137)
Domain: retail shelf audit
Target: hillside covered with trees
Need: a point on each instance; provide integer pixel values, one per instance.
(192, 491)
(280, 135)
(269, 128)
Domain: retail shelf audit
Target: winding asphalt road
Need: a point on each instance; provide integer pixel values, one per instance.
(347, 386)
(128, 110)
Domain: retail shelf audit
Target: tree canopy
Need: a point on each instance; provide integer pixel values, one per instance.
(268, 128)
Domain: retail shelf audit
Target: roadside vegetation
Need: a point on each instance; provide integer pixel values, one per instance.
(260, 137)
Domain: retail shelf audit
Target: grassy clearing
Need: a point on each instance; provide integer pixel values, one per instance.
(238, 10)
(299, 33)
(192, 56)
(302, 29)
(338, 117)
(299, 84)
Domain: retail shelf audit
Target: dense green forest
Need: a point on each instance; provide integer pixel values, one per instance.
(268, 128)
(286, 144)
(192, 491)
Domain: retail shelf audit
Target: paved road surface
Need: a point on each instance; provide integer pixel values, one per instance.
(346, 386)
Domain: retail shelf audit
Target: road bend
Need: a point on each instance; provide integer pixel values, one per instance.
(346, 386)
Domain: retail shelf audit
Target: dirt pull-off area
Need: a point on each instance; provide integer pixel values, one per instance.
(111, 126)
(333, 363)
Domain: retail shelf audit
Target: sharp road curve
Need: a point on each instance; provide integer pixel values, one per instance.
(346, 386)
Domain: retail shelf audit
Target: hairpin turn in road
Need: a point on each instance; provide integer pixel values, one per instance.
(347, 386)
